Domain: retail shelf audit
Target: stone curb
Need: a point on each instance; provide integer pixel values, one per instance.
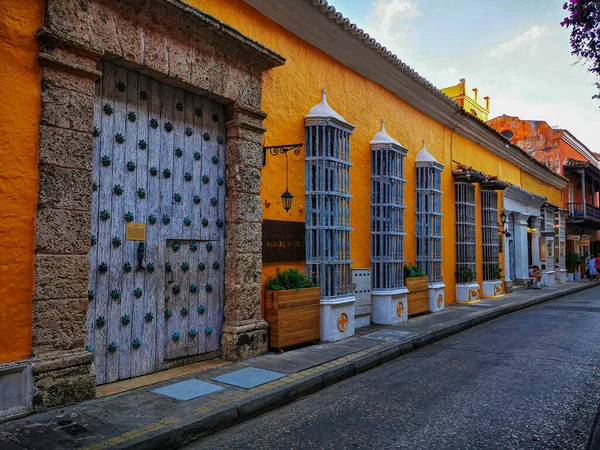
(194, 427)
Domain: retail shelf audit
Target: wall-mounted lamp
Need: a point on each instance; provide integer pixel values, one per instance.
(286, 197)
(503, 221)
(503, 217)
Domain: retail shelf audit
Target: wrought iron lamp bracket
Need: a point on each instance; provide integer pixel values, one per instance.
(283, 149)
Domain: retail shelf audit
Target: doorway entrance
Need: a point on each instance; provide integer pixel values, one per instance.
(158, 220)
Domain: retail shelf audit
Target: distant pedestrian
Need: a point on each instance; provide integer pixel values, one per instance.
(591, 265)
(536, 273)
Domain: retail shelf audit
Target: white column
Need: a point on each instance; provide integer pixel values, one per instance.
(506, 248)
(536, 242)
(521, 256)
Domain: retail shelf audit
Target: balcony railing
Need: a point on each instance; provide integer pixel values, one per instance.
(576, 212)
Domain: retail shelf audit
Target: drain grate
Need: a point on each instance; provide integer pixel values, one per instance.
(574, 308)
(62, 423)
(74, 429)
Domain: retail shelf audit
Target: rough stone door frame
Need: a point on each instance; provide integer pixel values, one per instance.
(176, 44)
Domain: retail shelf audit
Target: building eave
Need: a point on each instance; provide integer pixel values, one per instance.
(319, 24)
(579, 147)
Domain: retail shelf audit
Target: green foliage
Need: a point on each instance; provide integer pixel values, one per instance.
(572, 261)
(411, 271)
(465, 275)
(495, 272)
(290, 279)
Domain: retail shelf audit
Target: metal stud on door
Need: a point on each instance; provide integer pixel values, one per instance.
(192, 298)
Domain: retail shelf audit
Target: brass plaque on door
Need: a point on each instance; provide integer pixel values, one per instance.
(135, 231)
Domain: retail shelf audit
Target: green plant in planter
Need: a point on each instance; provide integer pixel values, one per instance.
(289, 279)
(572, 261)
(411, 271)
(495, 271)
(465, 275)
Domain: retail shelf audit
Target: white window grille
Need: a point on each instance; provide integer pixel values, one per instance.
(328, 200)
(560, 238)
(466, 244)
(429, 215)
(489, 225)
(547, 220)
(387, 211)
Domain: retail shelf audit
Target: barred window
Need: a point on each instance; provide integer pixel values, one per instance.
(547, 220)
(489, 225)
(429, 215)
(559, 238)
(387, 212)
(328, 200)
(466, 244)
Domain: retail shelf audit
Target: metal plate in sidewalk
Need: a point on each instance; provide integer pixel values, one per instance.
(390, 335)
(249, 377)
(188, 390)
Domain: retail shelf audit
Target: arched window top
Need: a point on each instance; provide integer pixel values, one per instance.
(323, 114)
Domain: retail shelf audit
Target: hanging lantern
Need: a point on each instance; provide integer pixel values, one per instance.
(286, 199)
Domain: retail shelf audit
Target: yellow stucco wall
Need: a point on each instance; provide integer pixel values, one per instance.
(20, 103)
(532, 184)
(289, 93)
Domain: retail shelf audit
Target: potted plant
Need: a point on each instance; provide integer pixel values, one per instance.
(495, 272)
(292, 308)
(417, 283)
(467, 289)
(465, 275)
(577, 273)
(572, 261)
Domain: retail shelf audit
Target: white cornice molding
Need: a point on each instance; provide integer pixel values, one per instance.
(580, 148)
(523, 196)
(311, 25)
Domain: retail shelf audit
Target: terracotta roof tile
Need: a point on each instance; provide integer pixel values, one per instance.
(361, 35)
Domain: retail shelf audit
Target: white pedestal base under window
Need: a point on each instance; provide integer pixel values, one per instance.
(548, 278)
(362, 321)
(337, 319)
(560, 276)
(389, 307)
(437, 298)
(491, 289)
(467, 293)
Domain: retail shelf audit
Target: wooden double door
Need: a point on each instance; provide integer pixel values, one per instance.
(158, 221)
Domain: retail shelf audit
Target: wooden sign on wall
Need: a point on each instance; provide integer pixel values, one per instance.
(283, 241)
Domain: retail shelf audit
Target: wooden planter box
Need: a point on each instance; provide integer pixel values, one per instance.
(293, 316)
(418, 295)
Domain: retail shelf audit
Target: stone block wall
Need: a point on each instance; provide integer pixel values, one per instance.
(176, 44)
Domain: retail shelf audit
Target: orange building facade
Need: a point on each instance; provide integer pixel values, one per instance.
(564, 154)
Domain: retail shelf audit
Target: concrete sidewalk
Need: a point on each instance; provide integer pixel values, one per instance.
(142, 418)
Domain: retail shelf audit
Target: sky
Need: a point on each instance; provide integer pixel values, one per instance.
(514, 51)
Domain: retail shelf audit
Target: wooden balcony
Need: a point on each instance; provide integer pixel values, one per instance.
(590, 215)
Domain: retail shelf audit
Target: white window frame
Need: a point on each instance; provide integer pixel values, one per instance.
(387, 216)
(429, 220)
(466, 243)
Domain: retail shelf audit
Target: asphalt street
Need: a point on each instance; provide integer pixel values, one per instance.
(529, 380)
